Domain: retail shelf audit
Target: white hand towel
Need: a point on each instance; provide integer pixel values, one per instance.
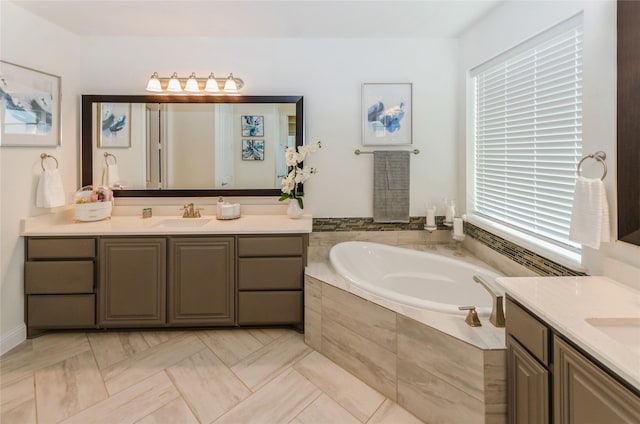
(590, 213)
(50, 192)
(113, 175)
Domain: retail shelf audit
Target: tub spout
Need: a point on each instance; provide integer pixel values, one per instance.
(497, 312)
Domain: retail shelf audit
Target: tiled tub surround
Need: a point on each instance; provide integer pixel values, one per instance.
(406, 353)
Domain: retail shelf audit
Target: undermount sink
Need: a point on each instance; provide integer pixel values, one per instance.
(183, 222)
(623, 330)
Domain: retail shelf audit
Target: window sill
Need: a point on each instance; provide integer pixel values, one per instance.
(554, 253)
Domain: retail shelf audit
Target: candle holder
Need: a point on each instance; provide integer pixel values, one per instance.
(431, 229)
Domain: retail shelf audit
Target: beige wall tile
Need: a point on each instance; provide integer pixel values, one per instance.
(230, 345)
(313, 329)
(370, 362)
(313, 293)
(279, 401)
(365, 318)
(324, 410)
(352, 394)
(392, 413)
(132, 404)
(17, 402)
(495, 376)
(207, 385)
(130, 371)
(442, 355)
(433, 400)
(261, 366)
(68, 387)
(175, 411)
(110, 348)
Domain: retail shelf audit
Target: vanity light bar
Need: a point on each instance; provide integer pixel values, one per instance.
(193, 84)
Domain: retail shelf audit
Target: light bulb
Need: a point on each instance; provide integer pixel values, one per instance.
(212, 84)
(154, 83)
(174, 84)
(230, 85)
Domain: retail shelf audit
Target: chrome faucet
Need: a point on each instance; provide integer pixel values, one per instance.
(497, 313)
(190, 211)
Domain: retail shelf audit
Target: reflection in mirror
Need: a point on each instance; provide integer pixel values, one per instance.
(189, 145)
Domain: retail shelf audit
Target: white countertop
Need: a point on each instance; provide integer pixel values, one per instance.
(565, 303)
(63, 224)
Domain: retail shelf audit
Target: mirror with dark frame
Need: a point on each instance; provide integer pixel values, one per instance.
(177, 146)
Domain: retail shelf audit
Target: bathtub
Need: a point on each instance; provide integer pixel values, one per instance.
(419, 279)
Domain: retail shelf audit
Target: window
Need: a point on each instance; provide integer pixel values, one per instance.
(527, 135)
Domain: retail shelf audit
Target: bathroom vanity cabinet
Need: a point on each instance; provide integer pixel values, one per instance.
(549, 380)
(164, 281)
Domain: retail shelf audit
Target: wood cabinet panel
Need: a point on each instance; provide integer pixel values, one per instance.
(583, 393)
(201, 281)
(527, 385)
(50, 277)
(270, 273)
(61, 311)
(529, 332)
(61, 248)
(289, 245)
(132, 284)
(269, 307)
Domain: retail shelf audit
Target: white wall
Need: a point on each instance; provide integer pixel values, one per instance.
(29, 41)
(514, 22)
(329, 73)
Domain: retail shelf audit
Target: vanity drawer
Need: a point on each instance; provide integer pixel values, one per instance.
(52, 277)
(61, 311)
(258, 308)
(61, 248)
(530, 332)
(270, 273)
(271, 246)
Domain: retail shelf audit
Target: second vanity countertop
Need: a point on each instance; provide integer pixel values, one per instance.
(599, 315)
(63, 224)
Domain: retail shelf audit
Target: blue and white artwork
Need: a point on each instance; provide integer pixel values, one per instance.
(115, 126)
(252, 149)
(252, 126)
(386, 114)
(29, 107)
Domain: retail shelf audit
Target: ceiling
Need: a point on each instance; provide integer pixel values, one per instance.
(263, 18)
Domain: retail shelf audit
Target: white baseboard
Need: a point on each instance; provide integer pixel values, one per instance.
(12, 338)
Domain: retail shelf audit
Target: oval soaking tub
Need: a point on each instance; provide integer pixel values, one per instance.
(420, 279)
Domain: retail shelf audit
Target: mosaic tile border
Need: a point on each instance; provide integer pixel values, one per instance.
(519, 254)
(367, 224)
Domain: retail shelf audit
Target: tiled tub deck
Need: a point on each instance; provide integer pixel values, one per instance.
(437, 377)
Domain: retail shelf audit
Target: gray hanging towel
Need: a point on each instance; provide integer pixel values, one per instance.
(391, 186)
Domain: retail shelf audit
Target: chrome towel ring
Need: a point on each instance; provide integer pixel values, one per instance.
(600, 156)
(45, 156)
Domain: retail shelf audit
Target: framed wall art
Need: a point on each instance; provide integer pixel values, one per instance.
(29, 107)
(386, 114)
(115, 125)
(252, 126)
(252, 149)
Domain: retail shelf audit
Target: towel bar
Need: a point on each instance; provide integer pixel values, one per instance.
(360, 152)
(45, 156)
(600, 156)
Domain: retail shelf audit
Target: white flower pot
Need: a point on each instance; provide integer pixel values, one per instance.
(294, 211)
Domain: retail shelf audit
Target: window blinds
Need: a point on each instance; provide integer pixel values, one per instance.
(528, 136)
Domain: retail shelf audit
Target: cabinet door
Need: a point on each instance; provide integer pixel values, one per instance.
(527, 386)
(201, 281)
(132, 283)
(584, 393)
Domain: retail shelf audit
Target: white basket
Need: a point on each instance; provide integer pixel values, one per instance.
(93, 211)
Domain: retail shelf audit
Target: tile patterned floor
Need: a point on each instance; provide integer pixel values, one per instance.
(210, 376)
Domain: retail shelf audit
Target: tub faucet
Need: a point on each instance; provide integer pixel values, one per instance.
(497, 312)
